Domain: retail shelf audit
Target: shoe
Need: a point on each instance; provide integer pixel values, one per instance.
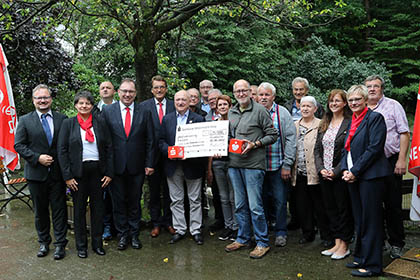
(135, 242)
(293, 225)
(218, 225)
(234, 235)
(171, 230)
(82, 254)
(259, 252)
(107, 233)
(99, 251)
(304, 240)
(366, 273)
(176, 237)
(43, 251)
(225, 235)
(60, 252)
(327, 243)
(281, 241)
(235, 246)
(353, 265)
(327, 253)
(155, 232)
(123, 243)
(340, 257)
(395, 252)
(198, 239)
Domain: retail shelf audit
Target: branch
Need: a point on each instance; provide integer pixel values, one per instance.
(154, 11)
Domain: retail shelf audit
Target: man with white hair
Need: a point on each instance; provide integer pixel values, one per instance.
(205, 87)
(280, 157)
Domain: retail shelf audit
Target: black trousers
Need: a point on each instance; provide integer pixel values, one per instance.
(393, 207)
(45, 194)
(366, 199)
(294, 218)
(160, 201)
(126, 193)
(309, 207)
(89, 186)
(337, 204)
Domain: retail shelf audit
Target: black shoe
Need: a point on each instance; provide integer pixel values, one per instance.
(135, 242)
(99, 251)
(82, 254)
(226, 233)
(176, 237)
(198, 239)
(327, 243)
(395, 252)
(366, 273)
(60, 252)
(123, 243)
(218, 225)
(43, 251)
(234, 235)
(353, 265)
(304, 240)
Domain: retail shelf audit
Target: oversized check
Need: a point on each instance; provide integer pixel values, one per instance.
(203, 139)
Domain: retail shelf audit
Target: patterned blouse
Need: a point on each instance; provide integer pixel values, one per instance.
(328, 145)
(301, 162)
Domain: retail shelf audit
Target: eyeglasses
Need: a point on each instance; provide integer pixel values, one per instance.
(159, 87)
(42, 97)
(239, 91)
(209, 87)
(355, 100)
(124, 91)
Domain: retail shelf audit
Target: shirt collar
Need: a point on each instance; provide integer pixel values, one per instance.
(157, 102)
(273, 108)
(184, 115)
(49, 113)
(122, 106)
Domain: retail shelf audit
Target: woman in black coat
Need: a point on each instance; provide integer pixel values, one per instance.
(86, 161)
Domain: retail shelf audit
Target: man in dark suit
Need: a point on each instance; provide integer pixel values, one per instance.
(178, 171)
(160, 211)
(134, 150)
(36, 142)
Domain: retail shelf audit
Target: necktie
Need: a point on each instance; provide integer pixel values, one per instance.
(127, 125)
(46, 128)
(160, 112)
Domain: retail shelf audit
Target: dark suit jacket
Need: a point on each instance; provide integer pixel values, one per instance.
(138, 150)
(193, 168)
(367, 149)
(70, 148)
(150, 105)
(338, 148)
(31, 141)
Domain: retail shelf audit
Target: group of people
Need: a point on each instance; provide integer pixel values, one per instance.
(340, 168)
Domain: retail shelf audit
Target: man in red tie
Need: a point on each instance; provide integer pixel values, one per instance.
(160, 212)
(134, 156)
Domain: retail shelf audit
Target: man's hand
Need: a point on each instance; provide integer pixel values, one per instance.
(400, 167)
(349, 177)
(72, 184)
(106, 180)
(249, 146)
(149, 171)
(285, 174)
(209, 177)
(45, 160)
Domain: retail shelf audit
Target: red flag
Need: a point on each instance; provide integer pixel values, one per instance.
(8, 116)
(414, 163)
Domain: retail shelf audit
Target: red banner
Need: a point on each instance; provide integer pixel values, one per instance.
(8, 118)
(414, 163)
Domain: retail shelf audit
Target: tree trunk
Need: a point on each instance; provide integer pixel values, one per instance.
(367, 29)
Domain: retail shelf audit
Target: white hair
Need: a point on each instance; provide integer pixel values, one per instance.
(268, 86)
(309, 98)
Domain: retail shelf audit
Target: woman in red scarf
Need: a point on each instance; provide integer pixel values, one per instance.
(86, 161)
(364, 168)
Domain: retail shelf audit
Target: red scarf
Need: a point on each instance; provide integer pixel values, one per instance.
(355, 122)
(86, 126)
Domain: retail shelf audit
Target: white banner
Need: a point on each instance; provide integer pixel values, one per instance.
(415, 202)
(203, 139)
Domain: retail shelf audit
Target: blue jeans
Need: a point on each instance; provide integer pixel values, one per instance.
(274, 186)
(247, 186)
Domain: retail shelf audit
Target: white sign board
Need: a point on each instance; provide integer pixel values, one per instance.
(203, 139)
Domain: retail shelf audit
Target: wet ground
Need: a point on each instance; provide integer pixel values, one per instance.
(159, 260)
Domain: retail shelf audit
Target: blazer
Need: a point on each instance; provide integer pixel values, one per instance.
(150, 105)
(70, 148)
(367, 149)
(193, 168)
(338, 148)
(138, 150)
(31, 141)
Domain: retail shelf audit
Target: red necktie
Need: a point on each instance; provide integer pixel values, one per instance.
(160, 112)
(127, 125)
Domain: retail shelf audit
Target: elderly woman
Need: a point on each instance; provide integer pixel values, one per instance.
(218, 169)
(364, 167)
(305, 177)
(86, 160)
(328, 149)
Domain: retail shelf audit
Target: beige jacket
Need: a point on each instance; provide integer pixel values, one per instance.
(309, 144)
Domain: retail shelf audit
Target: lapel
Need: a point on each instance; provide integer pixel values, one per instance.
(362, 124)
(343, 127)
(56, 126)
(190, 118)
(37, 126)
(136, 116)
(155, 115)
(76, 127)
(117, 113)
(96, 129)
(172, 126)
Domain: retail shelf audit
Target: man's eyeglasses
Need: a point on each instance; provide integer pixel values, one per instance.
(42, 97)
(239, 91)
(159, 87)
(124, 91)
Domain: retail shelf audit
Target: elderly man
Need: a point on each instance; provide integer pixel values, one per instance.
(195, 102)
(205, 87)
(212, 98)
(36, 142)
(160, 212)
(250, 122)
(178, 171)
(280, 157)
(134, 146)
(396, 146)
(254, 92)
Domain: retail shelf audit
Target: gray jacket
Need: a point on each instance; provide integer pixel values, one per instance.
(253, 124)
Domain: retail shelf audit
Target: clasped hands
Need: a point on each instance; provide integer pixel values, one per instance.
(349, 177)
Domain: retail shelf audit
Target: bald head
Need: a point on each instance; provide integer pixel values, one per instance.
(182, 101)
(242, 92)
